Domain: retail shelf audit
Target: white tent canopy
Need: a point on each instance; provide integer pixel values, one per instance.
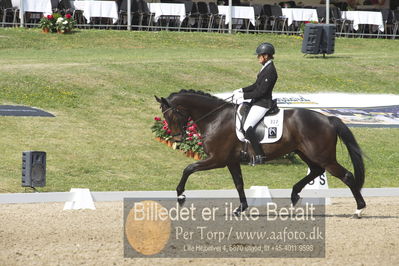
(383, 4)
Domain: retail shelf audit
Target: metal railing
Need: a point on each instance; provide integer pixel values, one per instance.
(175, 26)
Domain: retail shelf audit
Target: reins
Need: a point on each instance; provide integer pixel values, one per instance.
(216, 109)
(170, 108)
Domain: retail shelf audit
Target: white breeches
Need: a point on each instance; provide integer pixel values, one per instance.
(255, 115)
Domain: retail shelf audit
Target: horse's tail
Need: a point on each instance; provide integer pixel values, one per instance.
(354, 150)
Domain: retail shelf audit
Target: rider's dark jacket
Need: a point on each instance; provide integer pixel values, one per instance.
(261, 91)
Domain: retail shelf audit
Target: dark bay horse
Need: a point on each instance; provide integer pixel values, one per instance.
(311, 135)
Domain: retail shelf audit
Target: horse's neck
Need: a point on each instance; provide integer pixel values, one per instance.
(204, 111)
(198, 107)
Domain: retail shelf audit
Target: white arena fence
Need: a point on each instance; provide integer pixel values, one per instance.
(43, 197)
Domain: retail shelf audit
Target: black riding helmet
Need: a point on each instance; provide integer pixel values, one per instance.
(265, 48)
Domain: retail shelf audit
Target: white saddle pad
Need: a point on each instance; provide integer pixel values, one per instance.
(272, 127)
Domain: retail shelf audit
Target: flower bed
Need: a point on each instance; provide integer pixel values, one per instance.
(191, 145)
(57, 23)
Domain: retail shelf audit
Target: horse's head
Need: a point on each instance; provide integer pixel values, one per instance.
(176, 117)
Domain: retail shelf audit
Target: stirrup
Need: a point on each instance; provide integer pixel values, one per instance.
(257, 159)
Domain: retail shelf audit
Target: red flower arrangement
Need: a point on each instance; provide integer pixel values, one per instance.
(160, 129)
(55, 22)
(193, 141)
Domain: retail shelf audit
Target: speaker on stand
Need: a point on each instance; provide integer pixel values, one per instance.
(318, 39)
(33, 169)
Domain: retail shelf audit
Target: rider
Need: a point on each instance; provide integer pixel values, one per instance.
(260, 94)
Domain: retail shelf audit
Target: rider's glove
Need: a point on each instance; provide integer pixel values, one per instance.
(238, 94)
(238, 91)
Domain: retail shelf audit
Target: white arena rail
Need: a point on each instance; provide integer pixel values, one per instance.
(41, 197)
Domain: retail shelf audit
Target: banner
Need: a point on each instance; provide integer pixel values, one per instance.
(368, 110)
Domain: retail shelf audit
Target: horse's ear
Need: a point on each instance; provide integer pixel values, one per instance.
(158, 100)
(165, 102)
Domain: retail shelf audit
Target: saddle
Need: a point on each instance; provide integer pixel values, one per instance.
(268, 129)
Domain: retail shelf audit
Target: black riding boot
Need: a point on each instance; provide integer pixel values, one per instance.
(251, 136)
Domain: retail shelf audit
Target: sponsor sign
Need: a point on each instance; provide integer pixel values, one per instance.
(387, 116)
(368, 110)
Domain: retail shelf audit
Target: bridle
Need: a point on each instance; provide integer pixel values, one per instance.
(228, 100)
(185, 118)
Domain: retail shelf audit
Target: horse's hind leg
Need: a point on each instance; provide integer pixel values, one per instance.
(347, 177)
(315, 171)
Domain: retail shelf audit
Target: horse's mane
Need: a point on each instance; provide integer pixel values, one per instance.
(200, 93)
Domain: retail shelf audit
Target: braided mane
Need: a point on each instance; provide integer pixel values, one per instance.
(200, 93)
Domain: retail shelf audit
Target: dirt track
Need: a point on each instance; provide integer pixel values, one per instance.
(44, 234)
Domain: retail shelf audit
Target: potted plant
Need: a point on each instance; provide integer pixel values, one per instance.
(193, 143)
(188, 145)
(47, 23)
(65, 24)
(160, 129)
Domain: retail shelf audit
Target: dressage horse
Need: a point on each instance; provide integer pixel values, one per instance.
(311, 135)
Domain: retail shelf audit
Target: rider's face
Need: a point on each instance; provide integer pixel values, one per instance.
(262, 58)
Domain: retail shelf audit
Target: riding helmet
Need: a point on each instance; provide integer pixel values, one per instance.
(265, 48)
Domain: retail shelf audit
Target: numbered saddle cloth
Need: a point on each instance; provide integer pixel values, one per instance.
(268, 130)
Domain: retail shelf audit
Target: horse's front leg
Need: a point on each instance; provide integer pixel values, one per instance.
(235, 170)
(207, 164)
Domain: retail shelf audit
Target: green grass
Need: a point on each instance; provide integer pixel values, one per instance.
(101, 87)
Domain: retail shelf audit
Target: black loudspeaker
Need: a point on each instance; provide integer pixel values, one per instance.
(312, 38)
(318, 39)
(33, 169)
(328, 39)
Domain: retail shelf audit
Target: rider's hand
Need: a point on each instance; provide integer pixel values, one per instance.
(238, 94)
(238, 91)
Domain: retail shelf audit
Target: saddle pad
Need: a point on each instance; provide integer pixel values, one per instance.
(269, 130)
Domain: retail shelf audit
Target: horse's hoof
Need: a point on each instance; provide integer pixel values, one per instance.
(181, 199)
(294, 199)
(237, 211)
(358, 213)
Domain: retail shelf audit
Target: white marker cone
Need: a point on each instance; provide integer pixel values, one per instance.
(259, 196)
(82, 199)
